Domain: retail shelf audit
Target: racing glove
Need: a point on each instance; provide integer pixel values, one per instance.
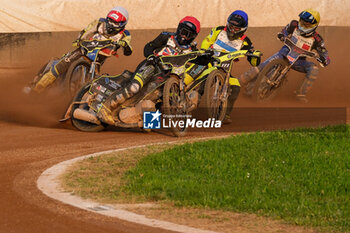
(255, 52)
(76, 43)
(254, 61)
(122, 43)
(280, 36)
(153, 60)
(207, 52)
(325, 61)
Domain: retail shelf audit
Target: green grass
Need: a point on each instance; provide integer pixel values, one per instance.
(300, 176)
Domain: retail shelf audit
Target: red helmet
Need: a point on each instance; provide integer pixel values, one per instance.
(187, 30)
(117, 18)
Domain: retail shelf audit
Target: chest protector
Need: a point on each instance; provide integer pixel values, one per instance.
(222, 43)
(171, 48)
(301, 41)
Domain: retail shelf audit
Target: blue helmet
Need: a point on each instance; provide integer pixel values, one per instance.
(237, 24)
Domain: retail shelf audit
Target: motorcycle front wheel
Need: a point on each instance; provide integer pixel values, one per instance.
(77, 76)
(172, 108)
(213, 104)
(82, 125)
(269, 80)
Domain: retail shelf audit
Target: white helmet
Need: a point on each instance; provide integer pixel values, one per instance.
(116, 19)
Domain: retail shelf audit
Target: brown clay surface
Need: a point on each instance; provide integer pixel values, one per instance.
(31, 140)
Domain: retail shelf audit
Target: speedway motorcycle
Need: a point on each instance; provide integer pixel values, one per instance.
(210, 89)
(81, 71)
(157, 94)
(274, 75)
(217, 87)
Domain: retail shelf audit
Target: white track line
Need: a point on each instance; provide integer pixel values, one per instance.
(49, 184)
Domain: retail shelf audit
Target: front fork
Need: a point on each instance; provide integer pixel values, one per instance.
(224, 92)
(183, 98)
(94, 65)
(276, 83)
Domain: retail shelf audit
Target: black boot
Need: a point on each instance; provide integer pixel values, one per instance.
(230, 103)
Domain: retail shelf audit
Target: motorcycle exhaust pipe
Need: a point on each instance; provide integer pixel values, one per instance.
(84, 115)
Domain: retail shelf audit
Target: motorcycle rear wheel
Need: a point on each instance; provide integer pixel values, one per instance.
(171, 101)
(77, 76)
(80, 124)
(265, 88)
(213, 106)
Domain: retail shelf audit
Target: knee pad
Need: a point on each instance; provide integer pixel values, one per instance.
(134, 87)
(312, 73)
(46, 80)
(131, 89)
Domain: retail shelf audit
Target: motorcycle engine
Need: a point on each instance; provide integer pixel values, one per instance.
(134, 114)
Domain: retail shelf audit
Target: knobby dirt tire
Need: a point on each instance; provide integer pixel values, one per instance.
(262, 91)
(213, 106)
(171, 96)
(72, 85)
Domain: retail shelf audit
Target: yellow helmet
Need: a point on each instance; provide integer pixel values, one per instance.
(308, 21)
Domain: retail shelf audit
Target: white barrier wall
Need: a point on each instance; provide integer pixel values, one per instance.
(73, 15)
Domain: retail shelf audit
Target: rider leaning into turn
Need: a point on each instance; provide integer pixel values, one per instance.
(111, 27)
(229, 38)
(307, 38)
(165, 44)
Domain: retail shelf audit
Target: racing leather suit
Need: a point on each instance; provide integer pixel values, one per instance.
(94, 31)
(219, 41)
(312, 42)
(164, 44)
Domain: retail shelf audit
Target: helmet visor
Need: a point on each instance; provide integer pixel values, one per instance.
(186, 33)
(308, 17)
(114, 24)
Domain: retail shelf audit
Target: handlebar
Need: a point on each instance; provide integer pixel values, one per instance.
(92, 44)
(251, 54)
(304, 52)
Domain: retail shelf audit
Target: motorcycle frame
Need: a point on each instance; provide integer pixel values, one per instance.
(290, 45)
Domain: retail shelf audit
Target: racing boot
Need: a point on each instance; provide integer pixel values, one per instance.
(117, 98)
(230, 103)
(46, 80)
(227, 120)
(301, 98)
(105, 114)
(248, 79)
(306, 86)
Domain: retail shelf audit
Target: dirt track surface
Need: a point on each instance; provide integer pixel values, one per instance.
(28, 151)
(31, 140)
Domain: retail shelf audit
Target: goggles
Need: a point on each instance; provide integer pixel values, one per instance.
(115, 24)
(233, 28)
(186, 33)
(305, 24)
